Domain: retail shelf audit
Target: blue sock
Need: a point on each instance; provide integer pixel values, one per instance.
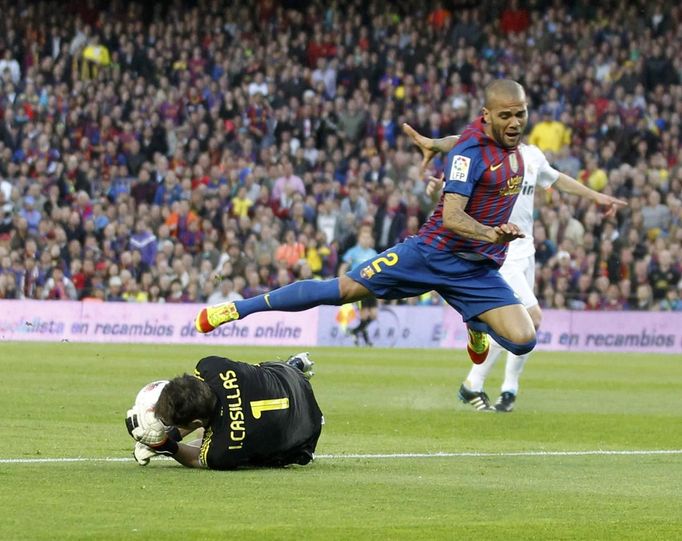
(516, 349)
(293, 297)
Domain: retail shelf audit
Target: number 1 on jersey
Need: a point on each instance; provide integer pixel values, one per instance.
(259, 406)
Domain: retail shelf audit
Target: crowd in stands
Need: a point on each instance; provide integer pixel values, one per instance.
(146, 148)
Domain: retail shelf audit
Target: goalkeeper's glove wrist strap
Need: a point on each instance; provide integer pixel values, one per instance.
(174, 433)
(168, 447)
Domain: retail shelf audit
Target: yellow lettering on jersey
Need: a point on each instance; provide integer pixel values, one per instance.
(259, 406)
(513, 186)
(237, 426)
(229, 379)
(234, 408)
(236, 415)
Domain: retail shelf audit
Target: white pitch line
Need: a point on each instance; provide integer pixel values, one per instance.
(509, 454)
(471, 454)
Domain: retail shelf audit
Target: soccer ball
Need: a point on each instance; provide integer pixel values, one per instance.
(146, 399)
(145, 403)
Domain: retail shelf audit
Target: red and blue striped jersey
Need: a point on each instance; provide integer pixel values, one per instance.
(491, 177)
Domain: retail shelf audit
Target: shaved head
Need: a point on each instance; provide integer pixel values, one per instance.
(502, 90)
(505, 112)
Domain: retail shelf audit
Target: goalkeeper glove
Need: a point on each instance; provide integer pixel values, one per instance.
(303, 362)
(142, 453)
(145, 428)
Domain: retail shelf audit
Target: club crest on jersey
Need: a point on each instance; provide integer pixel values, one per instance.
(514, 163)
(367, 272)
(513, 186)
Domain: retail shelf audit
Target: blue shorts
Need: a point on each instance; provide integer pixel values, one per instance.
(413, 267)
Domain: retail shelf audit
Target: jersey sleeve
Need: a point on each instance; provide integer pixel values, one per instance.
(547, 175)
(205, 449)
(463, 169)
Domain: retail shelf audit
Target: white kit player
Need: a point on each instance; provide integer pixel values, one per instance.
(519, 272)
(519, 266)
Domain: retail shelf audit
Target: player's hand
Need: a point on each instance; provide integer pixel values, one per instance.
(144, 427)
(425, 144)
(506, 233)
(609, 205)
(142, 453)
(435, 185)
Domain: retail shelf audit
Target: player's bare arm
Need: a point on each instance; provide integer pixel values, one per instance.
(188, 455)
(430, 147)
(458, 221)
(569, 185)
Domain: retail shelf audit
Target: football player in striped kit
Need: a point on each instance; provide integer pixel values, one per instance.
(518, 268)
(457, 252)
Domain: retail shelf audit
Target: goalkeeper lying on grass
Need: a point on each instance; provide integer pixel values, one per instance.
(249, 415)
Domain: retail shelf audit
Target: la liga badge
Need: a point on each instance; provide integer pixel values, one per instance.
(459, 169)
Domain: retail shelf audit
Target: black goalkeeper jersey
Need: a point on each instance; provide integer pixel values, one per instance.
(266, 415)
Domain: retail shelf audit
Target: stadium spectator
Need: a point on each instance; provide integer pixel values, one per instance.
(291, 251)
(550, 135)
(225, 293)
(656, 217)
(566, 227)
(59, 287)
(514, 19)
(663, 278)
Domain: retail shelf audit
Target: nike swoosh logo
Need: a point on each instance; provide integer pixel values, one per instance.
(496, 167)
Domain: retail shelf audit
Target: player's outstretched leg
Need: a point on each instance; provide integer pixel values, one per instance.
(512, 320)
(213, 316)
(478, 345)
(291, 298)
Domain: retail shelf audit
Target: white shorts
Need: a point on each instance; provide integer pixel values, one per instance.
(520, 275)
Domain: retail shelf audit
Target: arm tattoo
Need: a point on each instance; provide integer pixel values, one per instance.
(458, 221)
(445, 144)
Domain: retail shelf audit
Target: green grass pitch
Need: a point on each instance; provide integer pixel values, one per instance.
(68, 400)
